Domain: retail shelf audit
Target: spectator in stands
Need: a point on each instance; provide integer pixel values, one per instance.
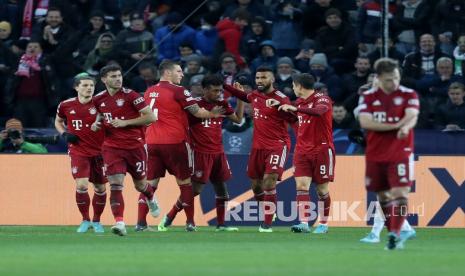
(31, 94)
(266, 58)
(7, 63)
(410, 21)
(104, 51)
(353, 81)
(284, 71)
(434, 87)
(193, 66)
(341, 118)
(148, 76)
(195, 85)
(451, 115)
(323, 73)
(90, 33)
(337, 41)
(185, 49)
(251, 6)
(459, 56)
(313, 16)
(392, 52)
(53, 31)
(169, 37)
(369, 24)
(286, 31)
(206, 36)
(12, 139)
(5, 33)
(256, 34)
(448, 22)
(229, 67)
(302, 60)
(421, 62)
(135, 42)
(230, 35)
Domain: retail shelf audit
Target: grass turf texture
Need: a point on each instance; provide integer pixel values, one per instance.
(61, 251)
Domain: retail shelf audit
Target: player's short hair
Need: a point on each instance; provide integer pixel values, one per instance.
(385, 65)
(307, 81)
(80, 77)
(212, 80)
(264, 69)
(166, 65)
(109, 68)
(457, 85)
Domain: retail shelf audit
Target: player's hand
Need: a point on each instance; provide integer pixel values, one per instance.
(96, 126)
(287, 108)
(119, 123)
(272, 102)
(402, 133)
(217, 111)
(238, 86)
(70, 138)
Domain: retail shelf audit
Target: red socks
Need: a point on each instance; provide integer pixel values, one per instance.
(269, 205)
(325, 202)
(303, 205)
(398, 209)
(98, 204)
(259, 197)
(187, 199)
(83, 203)
(117, 201)
(142, 210)
(220, 203)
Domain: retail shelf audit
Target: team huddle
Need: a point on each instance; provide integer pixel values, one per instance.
(118, 131)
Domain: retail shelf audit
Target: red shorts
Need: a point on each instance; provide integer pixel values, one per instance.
(382, 176)
(174, 158)
(319, 166)
(91, 167)
(120, 161)
(211, 166)
(266, 161)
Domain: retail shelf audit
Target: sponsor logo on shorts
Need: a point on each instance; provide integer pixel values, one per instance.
(74, 170)
(198, 173)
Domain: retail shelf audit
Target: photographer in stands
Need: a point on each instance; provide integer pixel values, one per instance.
(12, 139)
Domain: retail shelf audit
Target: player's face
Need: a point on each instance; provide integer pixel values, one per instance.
(176, 74)
(85, 88)
(297, 88)
(264, 81)
(212, 93)
(389, 82)
(113, 80)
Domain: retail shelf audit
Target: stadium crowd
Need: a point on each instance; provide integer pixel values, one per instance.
(44, 44)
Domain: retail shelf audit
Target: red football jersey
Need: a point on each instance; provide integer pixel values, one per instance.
(314, 132)
(206, 134)
(125, 105)
(270, 125)
(168, 102)
(79, 118)
(383, 146)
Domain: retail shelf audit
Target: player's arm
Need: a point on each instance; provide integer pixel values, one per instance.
(241, 95)
(202, 113)
(237, 116)
(408, 122)
(97, 125)
(61, 128)
(146, 117)
(367, 122)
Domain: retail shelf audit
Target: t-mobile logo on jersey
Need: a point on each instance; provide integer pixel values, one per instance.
(379, 117)
(77, 124)
(207, 122)
(108, 117)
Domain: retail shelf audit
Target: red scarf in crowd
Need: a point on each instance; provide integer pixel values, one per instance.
(26, 64)
(28, 16)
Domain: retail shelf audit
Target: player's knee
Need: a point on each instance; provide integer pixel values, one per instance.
(302, 184)
(322, 189)
(154, 182)
(82, 185)
(197, 188)
(183, 181)
(269, 181)
(220, 190)
(99, 188)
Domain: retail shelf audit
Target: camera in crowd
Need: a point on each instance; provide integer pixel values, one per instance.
(14, 134)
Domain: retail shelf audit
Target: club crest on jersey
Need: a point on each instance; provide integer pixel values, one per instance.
(398, 100)
(187, 93)
(310, 105)
(74, 170)
(92, 110)
(120, 102)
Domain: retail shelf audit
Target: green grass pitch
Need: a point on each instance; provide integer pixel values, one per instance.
(60, 251)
